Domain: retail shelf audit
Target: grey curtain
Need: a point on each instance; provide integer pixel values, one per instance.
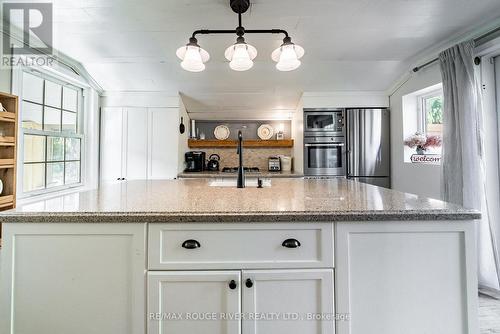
(463, 178)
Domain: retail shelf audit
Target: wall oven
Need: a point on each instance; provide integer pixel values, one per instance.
(324, 122)
(324, 156)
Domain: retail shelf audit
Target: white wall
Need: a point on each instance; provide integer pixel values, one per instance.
(298, 138)
(5, 78)
(420, 179)
(183, 138)
(345, 99)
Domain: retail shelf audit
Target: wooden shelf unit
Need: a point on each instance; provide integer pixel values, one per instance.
(205, 143)
(8, 150)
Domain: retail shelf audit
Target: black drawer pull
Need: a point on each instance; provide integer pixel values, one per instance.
(248, 283)
(291, 243)
(191, 244)
(232, 285)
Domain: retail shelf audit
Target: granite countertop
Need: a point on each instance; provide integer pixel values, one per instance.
(193, 200)
(264, 174)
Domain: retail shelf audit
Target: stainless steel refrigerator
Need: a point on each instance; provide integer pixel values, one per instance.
(368, 146)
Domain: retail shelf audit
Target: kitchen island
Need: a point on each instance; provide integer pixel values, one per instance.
(160, 256)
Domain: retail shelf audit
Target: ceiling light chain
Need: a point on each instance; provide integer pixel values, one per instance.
(240, 54)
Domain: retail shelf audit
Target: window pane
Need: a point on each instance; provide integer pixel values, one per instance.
(52, 119)
(33, 177)
(55, 148)
(72, 149)
(70, 99)
(72, 172)
(69, 122)
(55, 174)
(52, 94)
(34, 148)
(434, 115)
(32, 116)
(32, 88)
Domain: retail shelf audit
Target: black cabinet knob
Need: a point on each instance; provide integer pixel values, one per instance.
(248, 283)
(232, 285)
(291, 243)
(191, 244)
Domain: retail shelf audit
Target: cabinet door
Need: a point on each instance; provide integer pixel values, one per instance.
(73, 278)
(292, 298)
(136, 144)
(163, 139)
(193, 302)
(112, 133)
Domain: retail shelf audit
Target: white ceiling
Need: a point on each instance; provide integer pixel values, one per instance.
(350, 45)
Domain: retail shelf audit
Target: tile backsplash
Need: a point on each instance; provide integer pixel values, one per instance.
(252, 157)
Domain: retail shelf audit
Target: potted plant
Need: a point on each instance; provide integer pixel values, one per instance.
(422, 142)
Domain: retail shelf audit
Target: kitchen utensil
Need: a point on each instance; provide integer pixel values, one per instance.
(182, 128)
(1, 186)
(265, 132)
(222, 132)
(193, 129)
(213, 163)
(2, 108)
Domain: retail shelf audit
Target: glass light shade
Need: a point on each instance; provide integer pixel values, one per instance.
(193, 58)
(287, 57)
(241, 56)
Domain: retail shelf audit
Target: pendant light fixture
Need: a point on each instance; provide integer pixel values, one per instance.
(240, 54)
(193, 56)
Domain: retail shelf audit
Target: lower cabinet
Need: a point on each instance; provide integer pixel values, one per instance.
(248, 302)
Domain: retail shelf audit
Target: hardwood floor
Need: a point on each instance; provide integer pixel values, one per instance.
(489, 315)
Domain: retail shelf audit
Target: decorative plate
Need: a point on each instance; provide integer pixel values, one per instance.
(221, 132)
(265, 132)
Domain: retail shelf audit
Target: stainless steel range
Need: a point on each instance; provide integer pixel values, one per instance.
(324, 142)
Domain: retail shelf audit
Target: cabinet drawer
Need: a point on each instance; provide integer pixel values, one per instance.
(240, 246)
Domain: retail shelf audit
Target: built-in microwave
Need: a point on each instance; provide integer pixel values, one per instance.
(324, 122)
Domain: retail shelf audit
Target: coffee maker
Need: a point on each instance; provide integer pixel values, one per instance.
(195, 161)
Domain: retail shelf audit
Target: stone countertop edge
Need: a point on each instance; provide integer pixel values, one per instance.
(266, 174)
(243, 217)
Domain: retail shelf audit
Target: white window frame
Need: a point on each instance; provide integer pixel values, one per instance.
(52, 75)
(421, 109)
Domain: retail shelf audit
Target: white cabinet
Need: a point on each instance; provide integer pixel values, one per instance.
(193, 302)
(136, 145)
(297, 298)
(214, 302)
(112, 144)
(73, 278)
(139, 143)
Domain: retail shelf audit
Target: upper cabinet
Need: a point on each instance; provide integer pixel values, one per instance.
(138, 143)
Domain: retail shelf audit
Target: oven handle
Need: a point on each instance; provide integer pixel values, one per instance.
(326, 144)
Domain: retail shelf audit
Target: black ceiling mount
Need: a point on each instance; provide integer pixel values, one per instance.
(239, 6)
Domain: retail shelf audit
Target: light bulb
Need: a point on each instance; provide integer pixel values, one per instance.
(240, 55)
(288, 60)
(193, 57)
(287, 55)
(192, 60)
(241, 58)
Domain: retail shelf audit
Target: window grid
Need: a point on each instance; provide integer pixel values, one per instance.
(64, 134)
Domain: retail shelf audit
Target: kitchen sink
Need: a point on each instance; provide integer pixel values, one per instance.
(249, 182)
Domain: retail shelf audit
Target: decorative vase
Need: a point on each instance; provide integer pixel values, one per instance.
(420, 150)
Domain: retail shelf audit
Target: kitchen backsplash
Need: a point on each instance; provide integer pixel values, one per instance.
(252, 157)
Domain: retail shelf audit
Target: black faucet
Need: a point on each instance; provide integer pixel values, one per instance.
(241, 171)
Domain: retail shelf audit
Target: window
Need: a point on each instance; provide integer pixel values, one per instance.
(52, 143)
(431, 113)
(423, 125)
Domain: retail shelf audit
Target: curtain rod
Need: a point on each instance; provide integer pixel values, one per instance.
(476, 40)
